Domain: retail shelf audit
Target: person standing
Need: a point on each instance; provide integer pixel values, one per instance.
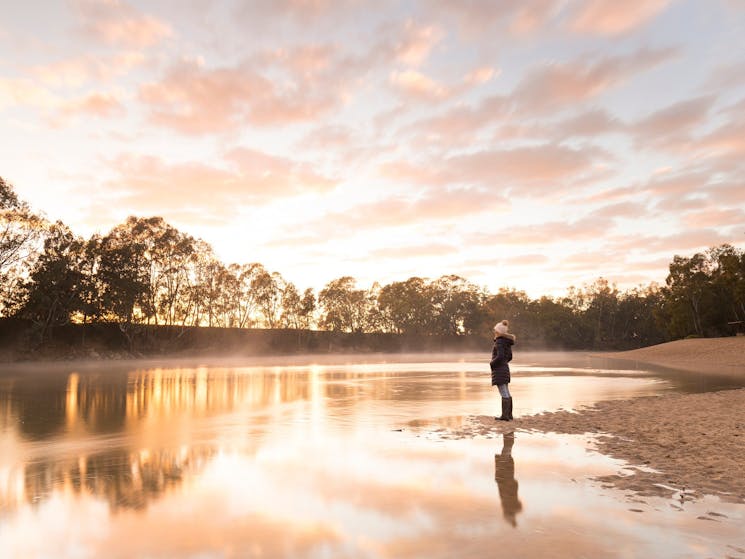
(501, 355)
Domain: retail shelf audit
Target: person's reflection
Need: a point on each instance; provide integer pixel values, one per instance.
(504, 475)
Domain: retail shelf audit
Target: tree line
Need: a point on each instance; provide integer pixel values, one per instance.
(145, 271)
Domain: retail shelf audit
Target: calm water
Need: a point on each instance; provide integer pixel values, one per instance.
(327, 458)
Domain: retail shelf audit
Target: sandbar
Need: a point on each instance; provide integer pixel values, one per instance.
(683, 445)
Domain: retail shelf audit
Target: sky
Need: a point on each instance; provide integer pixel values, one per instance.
(524, 144)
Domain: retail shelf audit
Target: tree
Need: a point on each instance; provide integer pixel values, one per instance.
(344, 306)
(268, 290)
(20, 232)
(124, 274)
(53, 292)
(688, 285)
(456, 304)
(406, 307)
(307, 309)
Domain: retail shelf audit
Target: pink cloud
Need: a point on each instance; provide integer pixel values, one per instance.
(400, 211)
(729, 139)
(685, 242)
(610, 17)
(415, 84)
(548, 233)
(94, 104)
(78, 71)
(116, 22)
(268, 175)
(415, 43)
(716, 217)
(306, 83)
(544, 166)
(671, 128)
(678, 184)
(593, 122)
(621, 210)
(462, 120)
(150, 185)
(26, 92)
(562, 84)
(520, 17)
(194, 100)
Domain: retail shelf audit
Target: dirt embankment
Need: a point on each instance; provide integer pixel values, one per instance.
(705, 355)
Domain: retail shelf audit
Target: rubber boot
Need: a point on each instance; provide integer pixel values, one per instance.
(506, 410)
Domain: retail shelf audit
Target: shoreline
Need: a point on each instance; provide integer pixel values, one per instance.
(687, 445)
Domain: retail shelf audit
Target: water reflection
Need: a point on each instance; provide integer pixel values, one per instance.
(504, 475)
(296, 461)
(129, 435)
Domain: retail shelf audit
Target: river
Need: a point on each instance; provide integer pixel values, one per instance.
(326, 457)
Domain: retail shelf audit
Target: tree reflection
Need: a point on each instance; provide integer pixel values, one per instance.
(504, 475)
(127, 480)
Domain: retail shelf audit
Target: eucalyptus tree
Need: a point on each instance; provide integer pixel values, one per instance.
(53, 292)
(343, 306)
(246, 296)
(456, 303)
(406, 306)
(308, 305)
(124, 275)
(687, 289)
(268, 290)
(20, 234)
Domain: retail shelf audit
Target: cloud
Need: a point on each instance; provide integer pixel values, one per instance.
(398, 211)
(670, 127)
(116, 22)
(728, 139)
(270, 176)
(414, 251)
(286, 86)
(590, 123)
(477, 17)
(557, 85)
(547, 233)
(26, 92)
(716, 217)
(95, 104)
(79, 71)
(203, 193)
(684, 241)
(620, 210)
(610, 17)
(414, 43)
(415, 84)
(460, 121)
(540, 167)
(195, 100)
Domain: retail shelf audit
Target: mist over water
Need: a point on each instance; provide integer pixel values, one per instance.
(314, 457)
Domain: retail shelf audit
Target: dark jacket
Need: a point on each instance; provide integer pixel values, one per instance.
(501, 355)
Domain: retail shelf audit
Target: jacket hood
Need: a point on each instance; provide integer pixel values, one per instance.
(509, 338)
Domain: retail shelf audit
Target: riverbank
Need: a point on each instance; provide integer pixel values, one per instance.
(683, 445)
(676, 445)
(704, 355)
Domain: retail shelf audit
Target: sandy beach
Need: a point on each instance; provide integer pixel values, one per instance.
(685, 445)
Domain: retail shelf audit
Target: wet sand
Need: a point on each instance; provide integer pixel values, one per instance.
(682, 445)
